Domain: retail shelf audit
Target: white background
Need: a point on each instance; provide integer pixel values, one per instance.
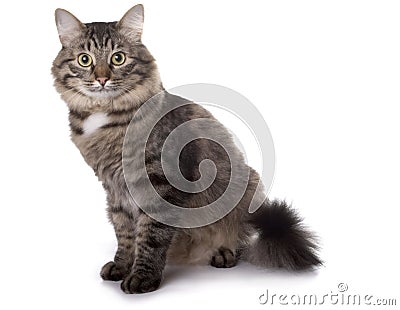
(324, 74)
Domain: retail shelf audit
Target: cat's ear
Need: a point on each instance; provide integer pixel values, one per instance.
(131, 24)
(68, 26)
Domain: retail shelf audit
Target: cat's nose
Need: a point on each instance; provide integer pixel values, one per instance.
(102, 80)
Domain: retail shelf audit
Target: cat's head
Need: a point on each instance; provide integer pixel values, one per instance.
(103, 63)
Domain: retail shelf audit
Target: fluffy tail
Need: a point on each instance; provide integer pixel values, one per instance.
(282, 240)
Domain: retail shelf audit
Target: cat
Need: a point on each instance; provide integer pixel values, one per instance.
(104, 73)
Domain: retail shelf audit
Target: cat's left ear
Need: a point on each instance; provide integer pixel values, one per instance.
(68, 26)
(131, 24)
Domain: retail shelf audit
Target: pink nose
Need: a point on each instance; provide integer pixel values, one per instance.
(102, 80)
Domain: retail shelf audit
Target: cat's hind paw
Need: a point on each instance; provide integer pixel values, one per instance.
(224, 258)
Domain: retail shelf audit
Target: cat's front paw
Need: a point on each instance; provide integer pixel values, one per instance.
(136, 283)
(112, 272)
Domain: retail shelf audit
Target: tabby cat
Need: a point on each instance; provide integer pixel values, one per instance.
(105, 74)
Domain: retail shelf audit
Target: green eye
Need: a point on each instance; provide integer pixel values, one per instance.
(118, 58)
(85, 60)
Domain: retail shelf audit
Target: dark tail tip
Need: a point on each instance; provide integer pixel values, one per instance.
(282, 240)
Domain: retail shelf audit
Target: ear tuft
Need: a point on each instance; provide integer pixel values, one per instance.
(68, 26)
(131, 24)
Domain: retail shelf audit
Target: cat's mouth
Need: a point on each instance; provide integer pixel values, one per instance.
(98, 91)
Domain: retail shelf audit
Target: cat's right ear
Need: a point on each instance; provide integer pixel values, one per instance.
(68, 26)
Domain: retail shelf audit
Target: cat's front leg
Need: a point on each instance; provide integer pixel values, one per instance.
(152, 242)
(124, 226)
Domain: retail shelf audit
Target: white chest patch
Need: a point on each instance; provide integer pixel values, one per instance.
(93, 122)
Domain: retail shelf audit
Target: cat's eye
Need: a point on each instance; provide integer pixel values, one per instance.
(118, 58)
(85, 60)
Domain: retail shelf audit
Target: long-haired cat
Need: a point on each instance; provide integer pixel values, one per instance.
(105, 74)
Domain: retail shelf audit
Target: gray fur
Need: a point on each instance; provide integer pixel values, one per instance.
(144, 245)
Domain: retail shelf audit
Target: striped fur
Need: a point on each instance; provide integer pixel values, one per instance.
(144, 245)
